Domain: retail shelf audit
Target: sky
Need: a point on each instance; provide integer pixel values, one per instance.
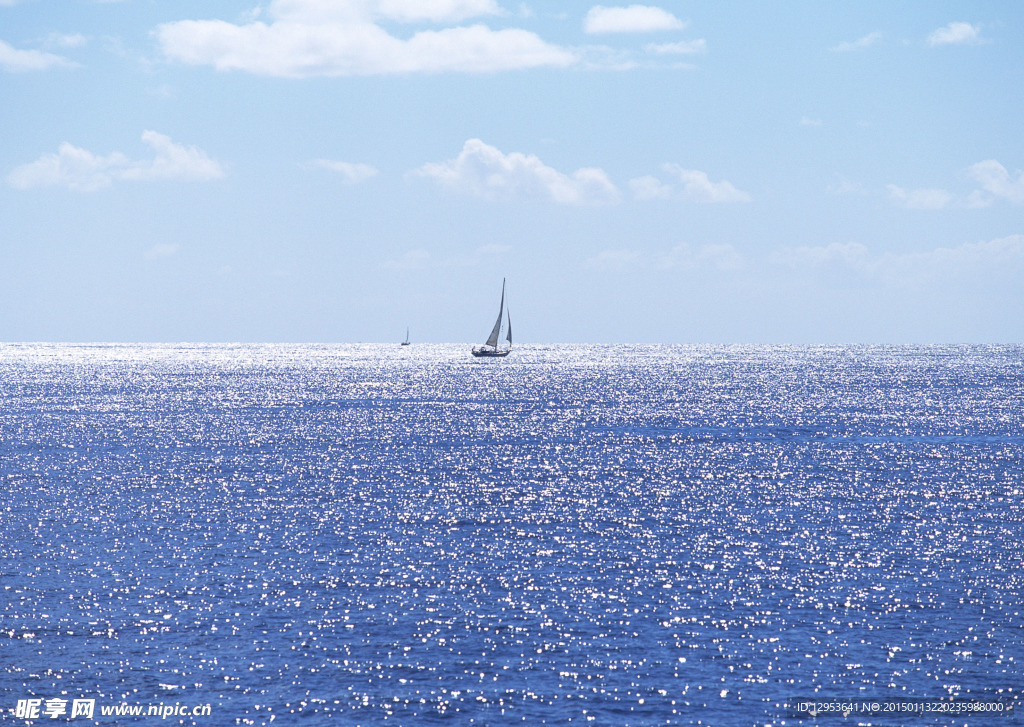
(679, 172)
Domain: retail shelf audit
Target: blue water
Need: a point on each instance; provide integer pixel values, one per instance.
(615, 535)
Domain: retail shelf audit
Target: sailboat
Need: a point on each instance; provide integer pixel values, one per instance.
(490, 349)
(406, 341)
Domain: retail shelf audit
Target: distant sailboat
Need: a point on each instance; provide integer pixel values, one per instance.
(490, 349)
(406, 341)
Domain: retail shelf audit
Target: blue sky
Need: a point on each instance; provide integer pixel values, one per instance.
(681, 172)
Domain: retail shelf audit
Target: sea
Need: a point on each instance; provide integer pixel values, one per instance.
(242, 534)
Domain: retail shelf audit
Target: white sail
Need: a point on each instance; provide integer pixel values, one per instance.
(492, 340)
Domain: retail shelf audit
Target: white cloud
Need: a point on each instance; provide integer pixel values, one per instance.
(868, 40)
(684, 47)
(84, 171)
(808, 121)
(695, 187)
(698, 188)
(920, 199)
(17, 61)
(173, 161)
(324, 38)
(487, 172)
(632, 19)
(996, 181)
(350, 172)
(956, 34)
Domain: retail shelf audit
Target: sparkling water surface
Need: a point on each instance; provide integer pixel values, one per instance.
(616, 535)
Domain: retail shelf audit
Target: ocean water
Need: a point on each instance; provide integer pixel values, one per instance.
(608, 535)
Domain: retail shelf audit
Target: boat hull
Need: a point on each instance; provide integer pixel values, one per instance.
(490, 353)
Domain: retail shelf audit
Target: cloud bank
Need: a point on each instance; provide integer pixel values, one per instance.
(306, 38)
(1005, 254)
(971, 261)
(83, 171)
(484, 171)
